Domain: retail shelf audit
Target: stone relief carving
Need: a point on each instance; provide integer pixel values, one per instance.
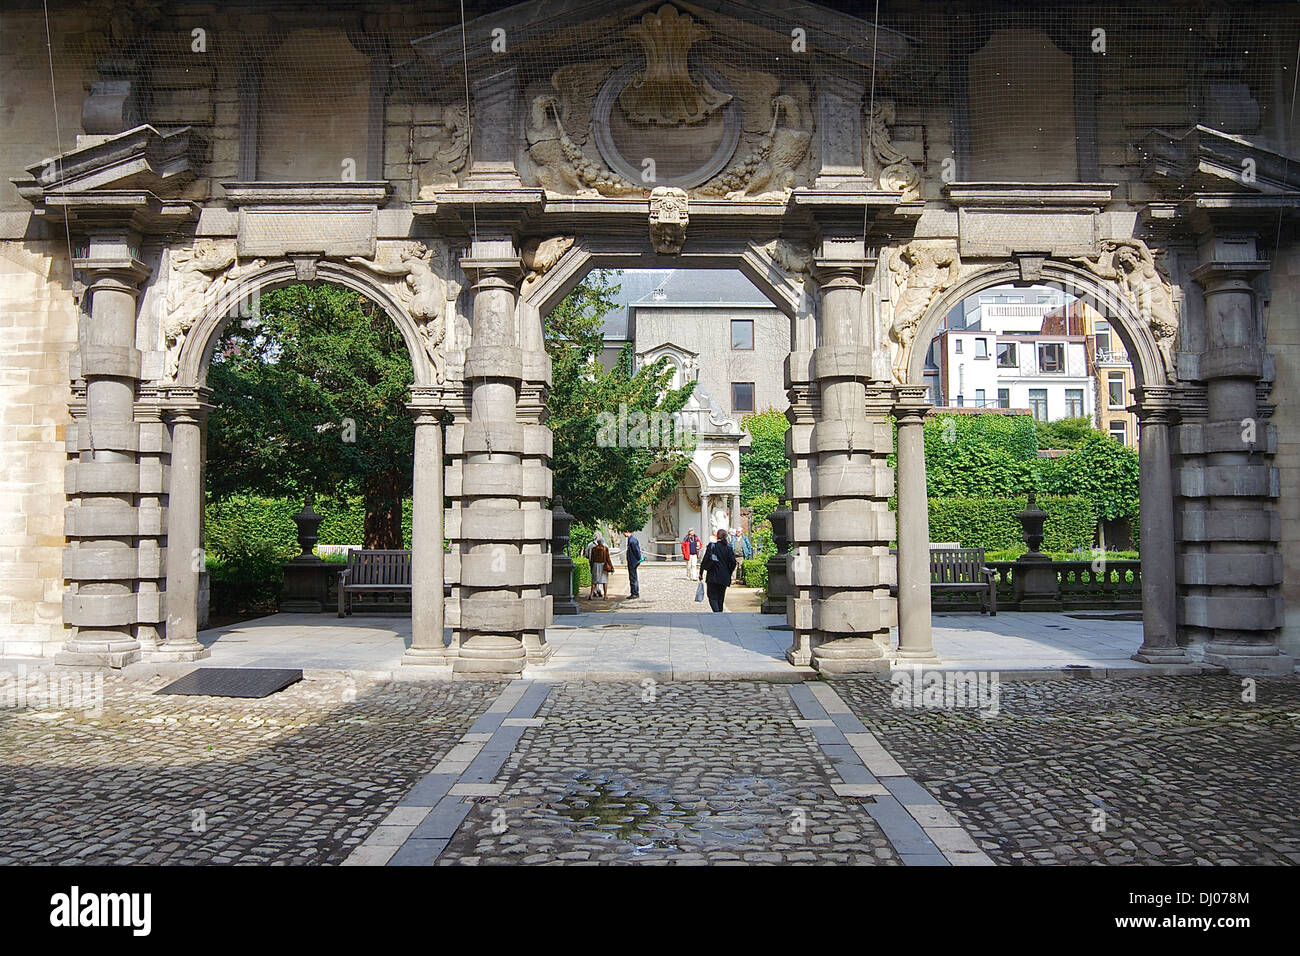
(539, 255)
(895, 171)
(1130, 264)
(450, 151)
(919, 272)
(665, 522)
(769, 168)
(199, 275)
(562, 166)
(794, 259)
(669, 216)
(423, 293)
(664, 93)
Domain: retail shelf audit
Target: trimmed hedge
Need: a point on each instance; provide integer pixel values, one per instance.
(994, 523)
(754, 570)
(581, 573)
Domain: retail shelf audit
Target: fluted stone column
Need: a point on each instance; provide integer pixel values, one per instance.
(915, 640)
(1238, 577)
(427, 554)
(184, 536)
(503, 562)
(849, 569)
(101, 562)
(1155, 409)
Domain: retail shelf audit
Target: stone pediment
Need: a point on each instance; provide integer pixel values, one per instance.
(669, 347)
(140, 158)
(1202, 159)
(560, 28)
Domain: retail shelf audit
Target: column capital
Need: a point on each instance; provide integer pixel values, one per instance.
(505, 270)
(1155, 405)
(910, 404)
(1214, 275)
(187, 405)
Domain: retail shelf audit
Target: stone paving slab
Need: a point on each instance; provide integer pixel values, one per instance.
(1150, 770)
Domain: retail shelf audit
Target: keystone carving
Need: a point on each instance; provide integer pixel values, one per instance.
(669, 217)
(918, 272)
(1129, 264)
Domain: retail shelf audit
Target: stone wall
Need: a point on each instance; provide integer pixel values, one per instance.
(38, 333)
(1284, 343)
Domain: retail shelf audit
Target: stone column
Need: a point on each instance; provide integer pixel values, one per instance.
(1155, 409)
(1239, 575)
(503, 564)
(915, 641)
(427, 553)
(184, 535)
(101, 561)
(849, 569)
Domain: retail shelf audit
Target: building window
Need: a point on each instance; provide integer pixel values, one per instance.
(1007, 355)
(1115, 389)
(1004, 398)
(956, 346)
(1119, 431)
(742, 396)
(1074, 403)
(1051, 357)
(979, 398)
(742, 334)
(981, 348)
(1038, 403)
(1103, 340)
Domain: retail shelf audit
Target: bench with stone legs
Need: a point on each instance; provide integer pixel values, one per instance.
(373, 572)
(964, 570)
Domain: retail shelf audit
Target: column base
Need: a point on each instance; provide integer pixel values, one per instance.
(1159, 654)
(565, 606)
(537, 651)
(848, 657)
(491, 654)
(1243, 661)
(916, 655)
(425, 656)
(115, 654)
(187, 651)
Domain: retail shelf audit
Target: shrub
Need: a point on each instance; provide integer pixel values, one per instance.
(754, 571)
(994, 524)
(581, 573)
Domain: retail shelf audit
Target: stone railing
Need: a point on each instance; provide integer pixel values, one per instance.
(1115, 587)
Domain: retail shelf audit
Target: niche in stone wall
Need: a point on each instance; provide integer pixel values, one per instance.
(1021, 103)
(313, 109)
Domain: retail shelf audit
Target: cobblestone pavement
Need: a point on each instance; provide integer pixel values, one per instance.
(297, 778)
(703, 773)
(1184, 770)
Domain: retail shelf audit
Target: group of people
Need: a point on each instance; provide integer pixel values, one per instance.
(716, 564)
(742, 549)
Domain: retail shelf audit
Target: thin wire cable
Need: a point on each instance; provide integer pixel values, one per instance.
(58, 144)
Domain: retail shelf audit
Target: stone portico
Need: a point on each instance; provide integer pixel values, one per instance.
(862, 248)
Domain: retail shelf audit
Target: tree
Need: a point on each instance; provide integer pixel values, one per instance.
(763, 467)
(1101, 470)
(1064, 433)
(616, 452)
(311, 396)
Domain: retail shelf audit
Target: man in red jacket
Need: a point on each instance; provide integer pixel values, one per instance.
(691, 554)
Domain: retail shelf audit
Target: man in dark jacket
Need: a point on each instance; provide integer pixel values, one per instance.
(633, 553)
(717, 566)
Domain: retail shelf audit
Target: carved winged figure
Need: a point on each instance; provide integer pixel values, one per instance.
(919, 273)
(768, 169)
(561, 162)
(1130, 264)
(423, 293)
(200, 274)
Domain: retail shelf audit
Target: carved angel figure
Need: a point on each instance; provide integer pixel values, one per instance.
(768, 169)
(200, 274)
(561, 163)
(423, 293)
(930, 272)
(1129, 263)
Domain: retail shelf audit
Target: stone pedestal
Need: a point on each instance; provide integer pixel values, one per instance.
(776, 600)
(562, 600)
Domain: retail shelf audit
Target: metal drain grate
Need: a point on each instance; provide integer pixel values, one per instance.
(233, 682)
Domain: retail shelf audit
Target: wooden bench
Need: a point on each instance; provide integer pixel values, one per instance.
(373, 572)
(963, 569)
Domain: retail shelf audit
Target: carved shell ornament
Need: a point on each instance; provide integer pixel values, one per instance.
(665, 93)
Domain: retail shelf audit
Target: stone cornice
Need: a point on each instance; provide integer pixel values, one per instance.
(1030, 195)
(327, 194)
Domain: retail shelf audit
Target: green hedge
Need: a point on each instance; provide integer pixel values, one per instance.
(994, 523)
(581, 573)
(754, 570)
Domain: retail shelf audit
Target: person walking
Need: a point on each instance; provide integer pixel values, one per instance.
(717, 566)
(633, 554)
(601, 566)
(743, 550)
(691, 554)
